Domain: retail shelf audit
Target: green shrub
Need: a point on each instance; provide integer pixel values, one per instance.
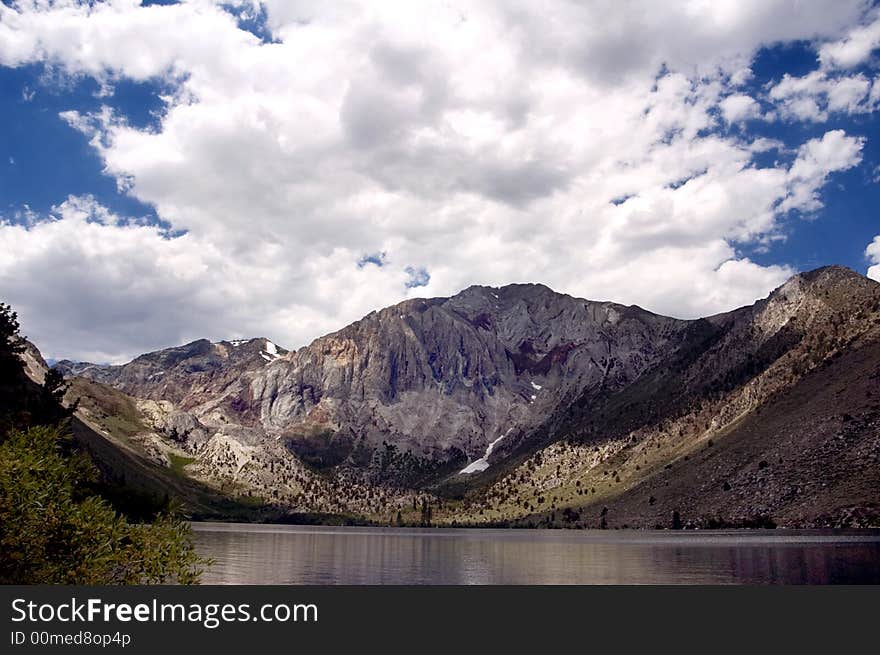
(53, 531)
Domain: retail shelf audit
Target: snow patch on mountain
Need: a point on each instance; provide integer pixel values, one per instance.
(483, 463)
(270, 354)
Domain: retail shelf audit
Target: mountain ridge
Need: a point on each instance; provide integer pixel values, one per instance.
(443, 397)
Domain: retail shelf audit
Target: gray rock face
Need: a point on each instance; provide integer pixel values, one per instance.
(35, 366)
(200, 376)
(446, 377)
(439, 378)
(448, 380)
(379, 415)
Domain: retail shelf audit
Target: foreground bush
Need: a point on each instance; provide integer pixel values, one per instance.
(53, 531)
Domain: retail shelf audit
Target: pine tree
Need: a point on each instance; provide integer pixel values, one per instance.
(426, 514)
(676, 520)
(51, 409)
(10, 343)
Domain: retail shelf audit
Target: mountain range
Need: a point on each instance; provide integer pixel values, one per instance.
(520, 406)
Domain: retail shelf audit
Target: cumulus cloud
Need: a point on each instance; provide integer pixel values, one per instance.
(814, 96)
(739, 107)
(109, 284)
(872, 252)
(854, 48)
(369, 152)
(816, 160)
(834, 87)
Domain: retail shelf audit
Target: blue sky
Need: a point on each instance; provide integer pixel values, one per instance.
(837, 234)
(45, 160)
(228, 170)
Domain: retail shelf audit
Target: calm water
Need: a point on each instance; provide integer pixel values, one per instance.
(280, 554)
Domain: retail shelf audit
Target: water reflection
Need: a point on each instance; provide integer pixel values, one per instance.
(268, 554)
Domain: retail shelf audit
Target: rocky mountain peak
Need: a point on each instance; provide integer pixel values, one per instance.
(445, 378)
(825, 281)
(35, 366)
(831, 272)
(435, 391)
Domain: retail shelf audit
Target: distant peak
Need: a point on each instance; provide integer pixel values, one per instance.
(834, 272)
(242, 342)
(835, 280)
(513, 290)
(831, 277)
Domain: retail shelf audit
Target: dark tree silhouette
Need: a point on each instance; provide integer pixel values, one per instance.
(52, 391)
(676, 520)
(10, 343)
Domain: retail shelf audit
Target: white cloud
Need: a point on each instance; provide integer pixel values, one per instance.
(814, 96)
(475, 143)
(872, 252)
(816, 160)
(855, 48)
(848, 93)
(834, 88)
(107, 284)
(739, 107)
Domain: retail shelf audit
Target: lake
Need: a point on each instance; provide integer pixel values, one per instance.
(283, 554)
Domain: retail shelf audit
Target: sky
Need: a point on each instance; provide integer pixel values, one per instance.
(174, 171)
